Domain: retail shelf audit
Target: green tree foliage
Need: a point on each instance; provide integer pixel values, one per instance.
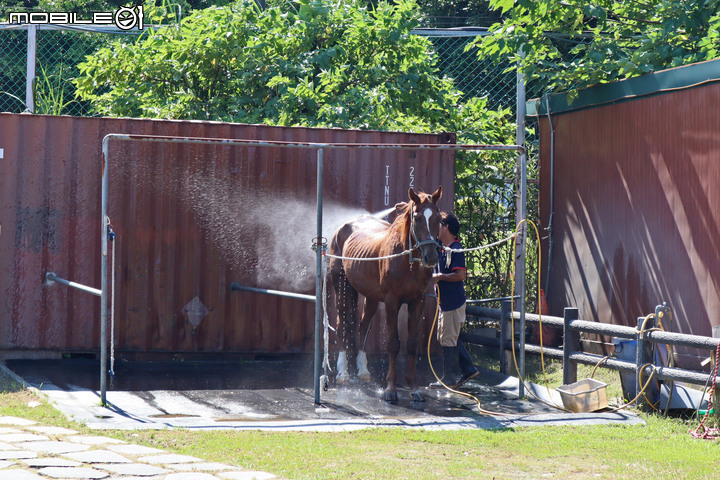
(347, 64)
(317, 63)
(573, 43)
(86, 6)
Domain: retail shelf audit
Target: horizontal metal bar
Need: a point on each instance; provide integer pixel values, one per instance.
(621, 331)
(609, 362)
(670, 338)
(300, 296)
(663, 373)
(533, 318)
(483, 340)
(488, 300)
(484, 312)
(51, 277)
(285, 144)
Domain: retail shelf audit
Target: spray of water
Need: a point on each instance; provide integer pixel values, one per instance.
(264, 233)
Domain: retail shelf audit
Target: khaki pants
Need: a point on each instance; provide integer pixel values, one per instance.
(449, 326)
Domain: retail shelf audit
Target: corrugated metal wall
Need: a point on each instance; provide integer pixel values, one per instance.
(637, 209)
(190, 220)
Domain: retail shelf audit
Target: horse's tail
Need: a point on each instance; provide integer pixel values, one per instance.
(345, 295)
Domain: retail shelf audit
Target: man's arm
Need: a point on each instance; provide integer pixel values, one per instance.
(457, 275)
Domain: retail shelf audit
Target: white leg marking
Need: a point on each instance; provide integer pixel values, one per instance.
(362, 370)
(342, 368)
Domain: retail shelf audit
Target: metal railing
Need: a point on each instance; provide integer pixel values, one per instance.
(645, 334)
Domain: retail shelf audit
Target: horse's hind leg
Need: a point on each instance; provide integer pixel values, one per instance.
(393, 348)
(415, 315)
(346, 298)
(369, 310)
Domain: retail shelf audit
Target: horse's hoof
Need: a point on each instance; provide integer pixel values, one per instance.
(390, 396)
(342, 379)
(417, 396)
(365, 378)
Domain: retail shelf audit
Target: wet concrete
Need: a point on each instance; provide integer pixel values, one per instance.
(277, 394)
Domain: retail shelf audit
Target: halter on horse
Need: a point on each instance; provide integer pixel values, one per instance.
(394, 281)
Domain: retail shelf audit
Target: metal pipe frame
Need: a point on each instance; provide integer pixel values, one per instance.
(235, 286)
(249, 143)
(50, 277)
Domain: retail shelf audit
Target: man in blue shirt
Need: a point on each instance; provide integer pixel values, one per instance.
(449, 275)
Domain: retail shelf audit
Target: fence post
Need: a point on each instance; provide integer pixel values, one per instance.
(644, 355)
(571, 343)
(504, 336)
(521, 215)
(31, 68)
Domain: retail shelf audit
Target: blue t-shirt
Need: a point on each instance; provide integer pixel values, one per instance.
(452, 294)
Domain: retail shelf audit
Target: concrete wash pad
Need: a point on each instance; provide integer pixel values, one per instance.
(277, 395)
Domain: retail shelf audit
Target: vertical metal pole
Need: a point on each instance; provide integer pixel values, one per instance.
(716, 393)
(520, 216)
(103, 275)
(318, 277)
(505, 360)
(31, 68)
(571, 344)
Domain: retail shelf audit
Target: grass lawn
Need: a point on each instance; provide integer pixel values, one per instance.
(661, 449)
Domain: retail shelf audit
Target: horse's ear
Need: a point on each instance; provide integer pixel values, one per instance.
(437, 195)
(414, 196)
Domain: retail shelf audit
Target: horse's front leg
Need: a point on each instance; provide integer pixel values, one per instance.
(415, 316)
(393, 348)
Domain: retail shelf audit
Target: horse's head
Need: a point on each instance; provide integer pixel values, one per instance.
(425, 225)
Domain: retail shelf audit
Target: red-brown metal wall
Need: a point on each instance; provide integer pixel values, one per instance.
(637, 209)
(190, 220)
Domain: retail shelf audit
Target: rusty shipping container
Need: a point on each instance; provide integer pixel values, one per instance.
(635, 200)
(189, 220)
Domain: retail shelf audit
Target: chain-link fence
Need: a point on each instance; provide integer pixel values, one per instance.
(58, 53)
(472, 75)
(57, 56)
(13, 70)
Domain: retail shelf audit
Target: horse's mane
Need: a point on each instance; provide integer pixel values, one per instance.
(402, 222)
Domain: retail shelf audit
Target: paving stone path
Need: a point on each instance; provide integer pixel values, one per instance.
(29, 451)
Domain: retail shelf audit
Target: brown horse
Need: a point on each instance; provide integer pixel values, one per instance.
(398, 280)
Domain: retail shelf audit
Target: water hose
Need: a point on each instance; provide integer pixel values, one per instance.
(481, 410)
(512, 321)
